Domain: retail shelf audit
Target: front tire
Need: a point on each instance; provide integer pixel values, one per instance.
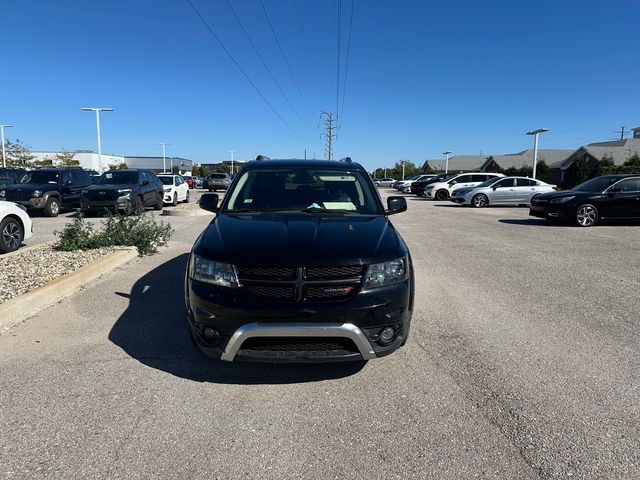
(442, 195)
(139, 208)
(480, 200)
(11, 235)
(175, 199)
(159, 204)
(587, 215)
(52, 207)
(186, 197)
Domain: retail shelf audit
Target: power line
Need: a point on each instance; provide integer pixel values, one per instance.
(255, 49)
(338, 30)
(346, 67)
(213, 34)
(273, 30)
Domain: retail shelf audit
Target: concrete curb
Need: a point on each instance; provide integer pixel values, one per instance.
(20, 308)
(184, 213)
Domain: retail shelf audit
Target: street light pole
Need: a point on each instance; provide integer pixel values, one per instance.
(4, 157)
(164, 157)
(403, 170)
(446, 162)
(232, 152)
(98, 110)
(535, 148)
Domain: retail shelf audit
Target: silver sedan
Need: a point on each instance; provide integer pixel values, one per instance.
(501, 191)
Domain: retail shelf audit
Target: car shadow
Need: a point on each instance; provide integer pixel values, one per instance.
(532, 222)
(153, 330)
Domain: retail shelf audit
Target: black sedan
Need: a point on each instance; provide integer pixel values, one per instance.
(419, 186)
(601, 198)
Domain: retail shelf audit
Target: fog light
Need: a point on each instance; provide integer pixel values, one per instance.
(210, 333)
(387, 334)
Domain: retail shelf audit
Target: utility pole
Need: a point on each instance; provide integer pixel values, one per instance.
(329, 127)
(4, 157)
(403, 162)
(98, 110)
(164, 157)
(446, 162)
(232, 152)
(621, 133)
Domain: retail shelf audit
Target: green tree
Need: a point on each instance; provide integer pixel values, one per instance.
(605, 165)
(633, 161)
(543, 172)
(18, 153)
(65, 159)
(410, 169)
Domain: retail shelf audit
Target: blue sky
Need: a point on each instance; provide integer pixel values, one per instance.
(423, 77)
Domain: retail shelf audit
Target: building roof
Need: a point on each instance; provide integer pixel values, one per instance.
(460, 163)
(618, 150)
(525, 157)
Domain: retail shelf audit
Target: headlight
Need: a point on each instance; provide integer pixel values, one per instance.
(167, 189)
(217, 273)
(562, 200)
(124, 191)
(3, 193)
(36, 194)
(380, 274)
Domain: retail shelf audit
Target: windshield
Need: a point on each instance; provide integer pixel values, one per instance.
(597, 184)
(304, 189)
(166, 180)
(118, 177)
(39, 176)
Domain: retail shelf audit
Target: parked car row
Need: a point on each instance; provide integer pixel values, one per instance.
(608, 197)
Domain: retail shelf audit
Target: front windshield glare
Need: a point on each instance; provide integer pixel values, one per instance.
(118, 177)
(303, 189)
(597, 184)
(41, 177)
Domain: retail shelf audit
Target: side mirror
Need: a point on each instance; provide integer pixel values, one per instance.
(615, 190)
(68, 182)
(145, 182)
(395, 205)
(209, 202)
(494, 188)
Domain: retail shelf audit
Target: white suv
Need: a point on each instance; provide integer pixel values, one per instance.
(176, 189)
(442, 190)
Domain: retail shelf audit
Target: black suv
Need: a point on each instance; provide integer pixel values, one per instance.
(48, 190)
(300, 264)
(130, 189)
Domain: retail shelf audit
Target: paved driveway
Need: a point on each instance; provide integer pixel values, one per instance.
(523, 363)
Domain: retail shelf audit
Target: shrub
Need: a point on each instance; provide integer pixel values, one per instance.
(140, 231)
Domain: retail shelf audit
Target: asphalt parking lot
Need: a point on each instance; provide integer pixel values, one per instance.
(522, 363)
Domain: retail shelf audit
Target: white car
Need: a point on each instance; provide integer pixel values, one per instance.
(383, 182)
(405, 185)
(443, 190)
(176, 189)
(501, 191)
(15, 226)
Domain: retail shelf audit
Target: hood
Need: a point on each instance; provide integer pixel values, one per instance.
(30, 187)
(299, 240)
(564, 193)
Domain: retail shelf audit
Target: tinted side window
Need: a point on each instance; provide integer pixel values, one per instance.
(505, 183)
(525, 182)
(480, 178)
(629, 185)
(80, 178)
(66, 177)
(464, 179)
(179, 180)
(144, 176)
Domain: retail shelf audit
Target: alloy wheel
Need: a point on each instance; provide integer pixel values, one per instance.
(587, 215)
(479, 201)
(11, 235)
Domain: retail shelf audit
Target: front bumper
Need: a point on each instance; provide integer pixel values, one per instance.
(86, 205)
(237, 317)
(32, 203)
(459, 200)
(549, 211)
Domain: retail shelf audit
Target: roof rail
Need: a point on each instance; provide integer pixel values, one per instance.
(346, 159)
(262, 157)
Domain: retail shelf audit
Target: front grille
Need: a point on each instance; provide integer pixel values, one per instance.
(301, 284)
(298, 344)
(16, 196)
(322, 273)
(266, 273)
(272, 291)
(97, 196)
